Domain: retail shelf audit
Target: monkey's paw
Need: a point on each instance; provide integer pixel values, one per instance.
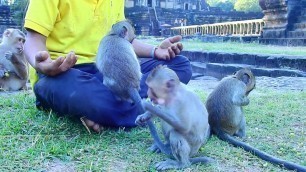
(8, 55)
(141, 120)
(4, 73)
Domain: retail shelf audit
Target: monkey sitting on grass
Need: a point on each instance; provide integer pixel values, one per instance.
(226, 117)
(183, 115)
(13, 64)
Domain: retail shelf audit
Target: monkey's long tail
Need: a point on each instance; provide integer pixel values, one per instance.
(203, 159)
(288, 165)
(157, 140)
(137, 100)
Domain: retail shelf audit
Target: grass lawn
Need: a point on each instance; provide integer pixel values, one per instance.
(33, 140)
(234, 47)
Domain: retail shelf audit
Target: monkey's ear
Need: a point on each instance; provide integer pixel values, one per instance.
(7, 33)
(170, 84)
(245, 78)
(123, 32)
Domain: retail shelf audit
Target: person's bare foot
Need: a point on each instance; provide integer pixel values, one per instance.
(91, 125)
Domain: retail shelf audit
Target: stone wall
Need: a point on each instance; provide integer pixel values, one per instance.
(285, 22)
(5, 19)
(140, 16)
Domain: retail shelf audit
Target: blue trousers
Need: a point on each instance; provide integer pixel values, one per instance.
(79, 92)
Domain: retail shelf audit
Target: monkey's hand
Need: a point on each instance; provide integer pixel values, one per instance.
(240, 100)
(47, 66)
(142, 119)
(4, 73)
(169, 48)
(8, 55)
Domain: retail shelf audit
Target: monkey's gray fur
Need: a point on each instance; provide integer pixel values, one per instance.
(117, 61)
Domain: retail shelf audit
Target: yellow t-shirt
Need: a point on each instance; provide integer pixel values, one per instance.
(76, 25)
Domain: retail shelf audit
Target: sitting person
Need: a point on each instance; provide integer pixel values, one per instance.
(62, 41)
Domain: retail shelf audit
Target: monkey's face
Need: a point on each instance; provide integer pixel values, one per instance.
(157, 93)
(19, 42)
(15, 38)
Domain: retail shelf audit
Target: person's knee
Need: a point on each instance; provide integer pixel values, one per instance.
(184, 72)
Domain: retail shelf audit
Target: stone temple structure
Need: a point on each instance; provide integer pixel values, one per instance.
(285, 22)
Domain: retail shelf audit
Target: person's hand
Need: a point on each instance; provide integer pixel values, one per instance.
(169, 48)
(47, 66)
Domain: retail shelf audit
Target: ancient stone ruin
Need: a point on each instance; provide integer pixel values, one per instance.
(285, 22)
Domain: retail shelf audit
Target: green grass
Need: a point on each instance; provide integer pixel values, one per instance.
(234, 47)
(32, 140)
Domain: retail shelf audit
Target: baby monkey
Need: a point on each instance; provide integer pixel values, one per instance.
(183, 115)
(226, 117)
(13, 64)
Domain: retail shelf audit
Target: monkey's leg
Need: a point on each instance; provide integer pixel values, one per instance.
(13, 83)
(180, 150)
(241, 132)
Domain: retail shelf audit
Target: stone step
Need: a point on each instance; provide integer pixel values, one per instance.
(219, 70)
(298, 33)
(291, 42)
(260, 61)
(302, 18)
(300, 26)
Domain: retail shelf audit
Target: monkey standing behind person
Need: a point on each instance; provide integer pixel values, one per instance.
(13, 64)
(226, 117)
(117, 61)
(184, 118)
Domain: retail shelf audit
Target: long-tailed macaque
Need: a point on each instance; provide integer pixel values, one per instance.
(117, 61)
(183, 115)
(226, 117)
(13, 64)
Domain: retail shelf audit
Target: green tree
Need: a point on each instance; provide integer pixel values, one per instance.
(214, 3)
(225, 5)
(247, 5)
(18, 10)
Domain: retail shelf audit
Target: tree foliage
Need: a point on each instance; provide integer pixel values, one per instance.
(18, 11)
(239, 5)
(225, 6)
(247, 5)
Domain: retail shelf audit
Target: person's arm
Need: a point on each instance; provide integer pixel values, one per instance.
(39, 57)
(168, 49)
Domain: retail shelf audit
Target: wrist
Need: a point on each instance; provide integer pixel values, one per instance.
(152, 53)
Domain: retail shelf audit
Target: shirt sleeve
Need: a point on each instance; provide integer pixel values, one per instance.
(42, 15)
